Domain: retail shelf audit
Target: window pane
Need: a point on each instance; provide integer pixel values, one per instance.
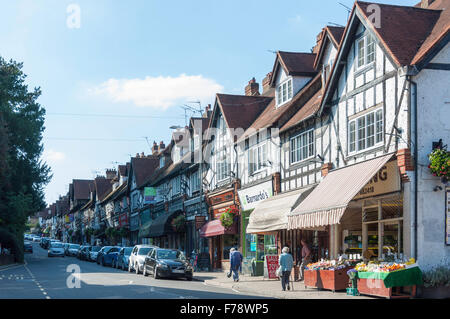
(370, 49)
(361, 52)
(311, 143)
(370, 129)
(379, 126)
(361, 133)
(284, 93)
(352, 136)
(279, 95)
(289, 89)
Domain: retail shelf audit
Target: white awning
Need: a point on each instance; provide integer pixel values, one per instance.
(271, 214)
(327, 202)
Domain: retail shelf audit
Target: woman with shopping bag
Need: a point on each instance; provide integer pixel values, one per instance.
(286, 263)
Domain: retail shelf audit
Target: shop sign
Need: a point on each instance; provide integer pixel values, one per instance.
(150, 195)
(123, 220)
(386, 180)
(219, 211)
(199, 222)
(252, 196)
(222, 198)
(272, 265)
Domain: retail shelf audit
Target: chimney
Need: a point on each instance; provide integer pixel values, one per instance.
(266, 82)
(154, 148)
(137, 155)
(319, 40)
(161, 146)
(252, 89)
(424, 4)
(326, 168)
(207, 111)
(111, 173)
(142, 155)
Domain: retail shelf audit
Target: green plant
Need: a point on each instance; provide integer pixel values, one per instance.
(439, 162)
(437, 277)
(227, 218)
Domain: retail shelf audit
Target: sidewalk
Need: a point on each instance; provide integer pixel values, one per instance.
(270, 288)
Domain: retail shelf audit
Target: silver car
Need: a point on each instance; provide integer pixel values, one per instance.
(137, 257)
(56, 249)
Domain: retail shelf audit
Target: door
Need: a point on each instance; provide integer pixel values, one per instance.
(217, 252)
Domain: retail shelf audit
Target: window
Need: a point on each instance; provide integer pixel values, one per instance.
(257, 158)
(195, 181)
(223, 165)
(302, 146)
(365, 50)
(176, 185)
(284, 92)
(161, 161)
(366, 131)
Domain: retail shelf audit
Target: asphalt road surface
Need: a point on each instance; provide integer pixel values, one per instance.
(43, 277)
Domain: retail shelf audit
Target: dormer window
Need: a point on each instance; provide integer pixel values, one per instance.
(284, 92)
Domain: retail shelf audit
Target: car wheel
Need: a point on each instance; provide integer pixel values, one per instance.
(103, 262)
(155, 273)
(144, 272)
(129, 267)
(189, 278)
(112, 264)
(136, 267)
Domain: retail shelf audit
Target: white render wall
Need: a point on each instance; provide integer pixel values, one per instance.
(433, 99)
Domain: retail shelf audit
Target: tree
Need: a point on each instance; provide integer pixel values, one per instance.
(22, 173)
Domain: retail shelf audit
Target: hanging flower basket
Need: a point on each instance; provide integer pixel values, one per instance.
(227, 218)
(440, 164)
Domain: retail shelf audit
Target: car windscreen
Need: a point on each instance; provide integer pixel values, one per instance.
(169, 254)
(144, 251)
(113, 250)
(96, 248)
(57, 245)
(127, 251)
(74, 246)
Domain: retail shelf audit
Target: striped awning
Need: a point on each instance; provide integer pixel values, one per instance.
(271, 214)
(327, 202)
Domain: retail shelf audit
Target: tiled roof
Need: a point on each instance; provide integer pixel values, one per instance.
(122, 169)
(82, 189)
(297, 63)
(336, 33)
(240, 111)
(143, 168)
(103, 187)
(405, 30)
(307, 110)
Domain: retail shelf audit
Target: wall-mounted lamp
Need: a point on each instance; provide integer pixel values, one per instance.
(437, 188)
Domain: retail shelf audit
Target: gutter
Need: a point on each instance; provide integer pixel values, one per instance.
(413, 96)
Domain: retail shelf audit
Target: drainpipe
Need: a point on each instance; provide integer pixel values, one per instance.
(413, 95)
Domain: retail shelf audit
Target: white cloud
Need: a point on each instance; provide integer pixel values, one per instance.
(159, 92)
(54, 156)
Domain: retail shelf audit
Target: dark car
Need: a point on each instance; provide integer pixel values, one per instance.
(27, 247)
(108, 256)
(161, 262)
(121, 261)
(84, 252)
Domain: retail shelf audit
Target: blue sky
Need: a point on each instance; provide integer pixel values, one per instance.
(144, 59)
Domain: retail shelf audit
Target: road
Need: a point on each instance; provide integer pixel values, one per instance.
(42, 277)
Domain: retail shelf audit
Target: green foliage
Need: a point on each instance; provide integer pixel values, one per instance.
(22, 173)
(179, 223)
(439, 162)
(437, 277)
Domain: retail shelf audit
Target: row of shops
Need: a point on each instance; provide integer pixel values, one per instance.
(356, 210)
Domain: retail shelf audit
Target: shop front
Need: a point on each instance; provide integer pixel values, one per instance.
(266, 229)
(221, 239)
(196, 216)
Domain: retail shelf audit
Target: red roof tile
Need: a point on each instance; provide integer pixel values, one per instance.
(143, 168)
(82, 189)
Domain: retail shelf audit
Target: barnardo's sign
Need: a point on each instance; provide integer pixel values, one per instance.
(386, 180)
(252, 196)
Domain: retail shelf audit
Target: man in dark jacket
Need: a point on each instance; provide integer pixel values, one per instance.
(235, 262)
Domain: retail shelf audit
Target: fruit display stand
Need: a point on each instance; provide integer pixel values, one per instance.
(387, 284)
(326, 279)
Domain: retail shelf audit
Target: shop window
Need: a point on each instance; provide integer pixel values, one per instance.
(229, 241)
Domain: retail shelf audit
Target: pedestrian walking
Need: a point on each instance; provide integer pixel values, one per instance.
(306, 258)
(235, 263)
(286, 263)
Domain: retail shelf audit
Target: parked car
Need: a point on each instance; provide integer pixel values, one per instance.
(94, 252)
(84, 252)
(162, 262)
(107, 257)
(101, 252)
(66, 246)
(121, 261)
(36, 239)
(56, 249)
(137, 257)
(27, 247)
(73, 250)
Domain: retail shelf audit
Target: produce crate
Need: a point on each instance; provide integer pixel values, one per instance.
(327, 279)
(376, 287)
